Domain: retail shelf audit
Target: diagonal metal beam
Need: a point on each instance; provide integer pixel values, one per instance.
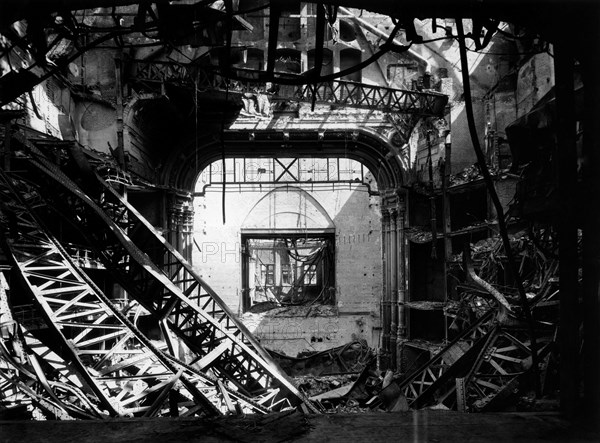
(202, 313)
(122, 368)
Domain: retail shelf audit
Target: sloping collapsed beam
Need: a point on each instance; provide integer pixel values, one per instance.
(22, 378)
(417, 382)
(217, 341)
(127, 374)
(481, 366)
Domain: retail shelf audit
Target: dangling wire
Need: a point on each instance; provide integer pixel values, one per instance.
(432, 207)
(196, 126)
(228, 31)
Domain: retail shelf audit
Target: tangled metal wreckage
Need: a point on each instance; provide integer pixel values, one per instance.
(76, 352)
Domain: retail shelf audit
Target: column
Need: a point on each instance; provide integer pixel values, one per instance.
(393, 285)
(385, 300)
(401, 253)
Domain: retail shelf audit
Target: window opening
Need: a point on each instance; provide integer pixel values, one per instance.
(291, 269)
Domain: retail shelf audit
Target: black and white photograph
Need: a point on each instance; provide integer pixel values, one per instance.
(284, 221)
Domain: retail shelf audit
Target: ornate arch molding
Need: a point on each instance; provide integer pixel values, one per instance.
(363, 145)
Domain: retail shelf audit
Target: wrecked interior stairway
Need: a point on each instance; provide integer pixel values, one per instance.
(243, 377)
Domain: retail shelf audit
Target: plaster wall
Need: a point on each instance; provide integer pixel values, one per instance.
(356, 218)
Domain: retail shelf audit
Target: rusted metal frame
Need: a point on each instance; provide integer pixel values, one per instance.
(166, 389)
(54, 409)
(525, 305)
(228, 364)
(49, 357)
(509, 369)
(12, 370)
(191, 315)
(415, 387)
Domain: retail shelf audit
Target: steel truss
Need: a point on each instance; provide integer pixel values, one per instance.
(404, 107)
(23, 381)
(165, 284)
(422, 378)
(124, 371)
(289, 170)
(483, 365)
(338, 92)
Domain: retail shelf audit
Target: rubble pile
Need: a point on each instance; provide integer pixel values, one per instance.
(350, 358)
(487, 362)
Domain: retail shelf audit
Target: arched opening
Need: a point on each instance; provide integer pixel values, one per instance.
(327, 67)
(255, 59)
(347, 31)
(287, 60)
(350, 57)
(289, 244)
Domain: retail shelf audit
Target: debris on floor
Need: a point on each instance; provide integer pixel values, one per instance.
(347, 359)
(486, 362)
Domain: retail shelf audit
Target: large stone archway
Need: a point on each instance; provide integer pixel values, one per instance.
(370, 148)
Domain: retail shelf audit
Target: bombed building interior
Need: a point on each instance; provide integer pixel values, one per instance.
(243, 209)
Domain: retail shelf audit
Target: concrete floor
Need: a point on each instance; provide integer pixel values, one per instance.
(420, 426)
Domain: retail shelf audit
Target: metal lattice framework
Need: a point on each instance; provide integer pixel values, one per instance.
(404, 107)
(252, 171)
(424, 377)
(484, 363)
(338, 92)
(167, 286)
(127, 374)
(22, 378)
(497, 372)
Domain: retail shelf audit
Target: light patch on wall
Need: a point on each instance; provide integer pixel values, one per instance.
(97, 117)
(287, 208)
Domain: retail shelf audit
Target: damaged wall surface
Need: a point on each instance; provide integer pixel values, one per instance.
(350, 215)
(473, 130)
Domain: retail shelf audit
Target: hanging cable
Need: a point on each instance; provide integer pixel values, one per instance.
(494, 197)
(432, 205)
(228, 32)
